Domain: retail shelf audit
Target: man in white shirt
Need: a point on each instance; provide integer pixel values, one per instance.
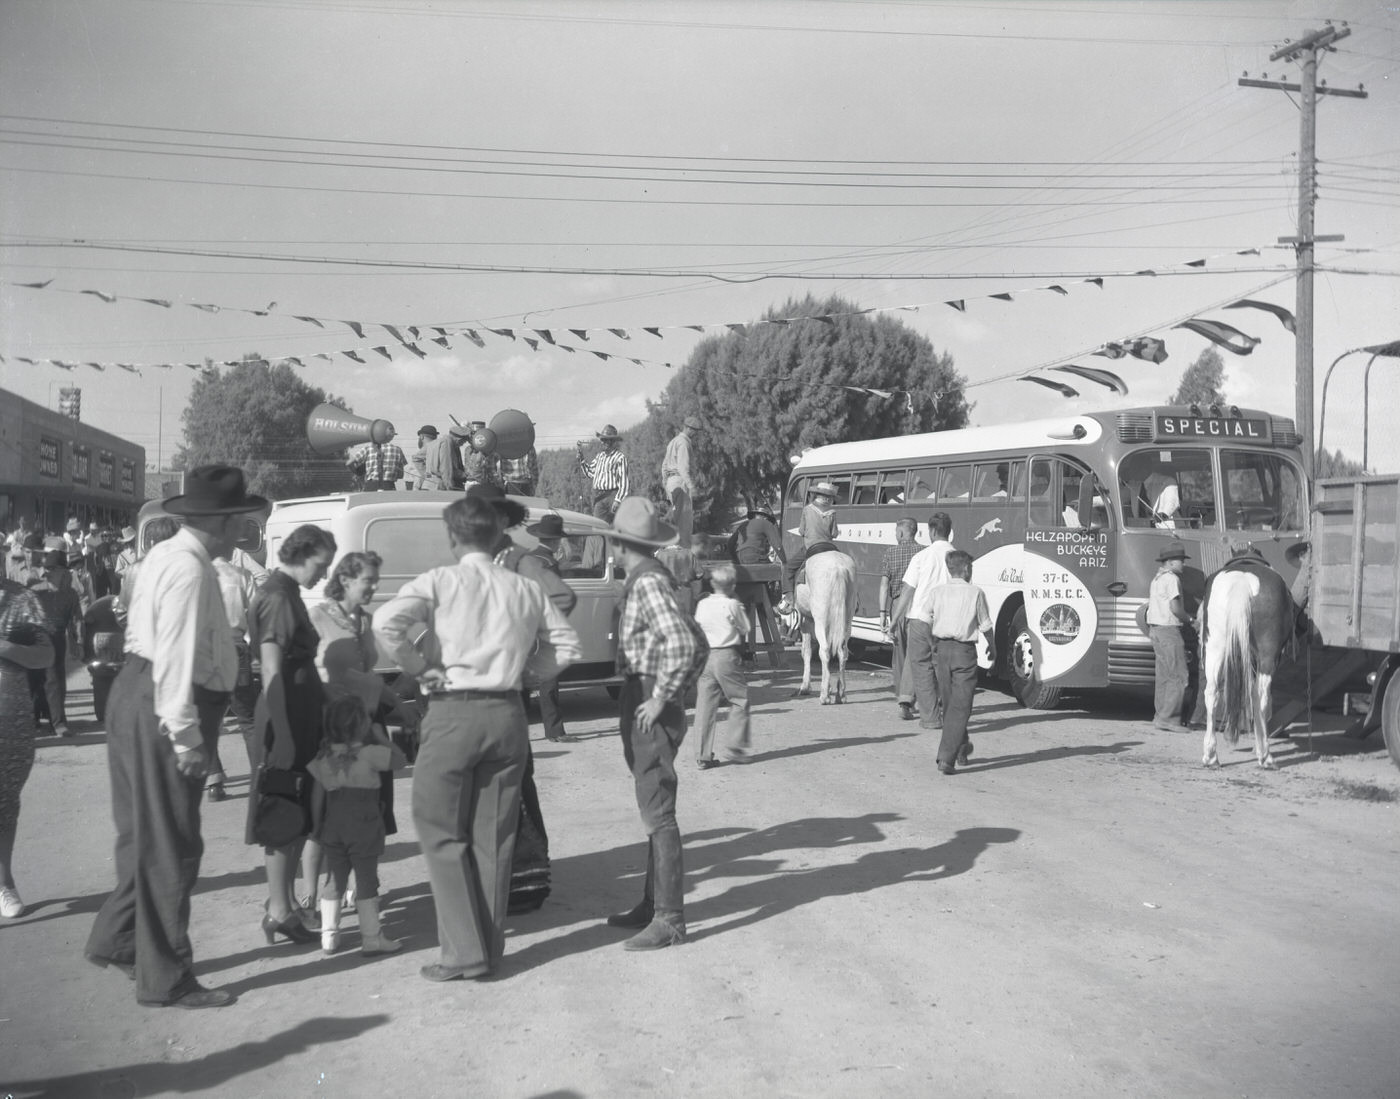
(676, 479)
(482, 624)
(168, 699)
(927, 570)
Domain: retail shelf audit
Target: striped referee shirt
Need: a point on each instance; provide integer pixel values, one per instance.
(608, 469)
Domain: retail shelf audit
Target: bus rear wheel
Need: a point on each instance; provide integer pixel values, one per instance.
(1020, 668)
(1390, 717)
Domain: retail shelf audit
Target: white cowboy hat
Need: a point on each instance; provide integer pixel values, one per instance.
(823, 488)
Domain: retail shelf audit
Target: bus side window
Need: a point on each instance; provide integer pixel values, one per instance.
(955, 485)
(923, 486)
(865, 490)
(1017, 480)
(1042, 511)
(892, 486)
(797, 491)
(843, 489)
(989, 482)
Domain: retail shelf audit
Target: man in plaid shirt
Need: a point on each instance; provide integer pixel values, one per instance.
(383, 464)
(521, 474)
(661, 652)
(892, 569)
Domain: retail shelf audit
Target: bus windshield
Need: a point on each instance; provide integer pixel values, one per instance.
(1175, 489)
(1262, 491)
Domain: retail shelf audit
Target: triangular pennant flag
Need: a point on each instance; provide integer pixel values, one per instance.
(506, 332)
(416, 350)
(826, 320)
(960, 305)
(63, 365)
(355, 327)
(95, 366)
(443, 331)
(194, 366)
(204, 307)
(1284, 316)
(1195, 263)
(442, 342)
(471, 334)
(127, 367)
(581, 333)
(413, 331)
(389, 328)
(738, 328)
(1103, 377)
(779, 320)
(323, 355)
(566, 347)
(264, 312)
(1148, 348)
(637, 361)
(1058, 387)
(601, 354)
(156, 301)
(108, 298)
(1248, 252)
(654, 331)
(620, 333)
(1232, 339)
(1000, 297)
(1146, 272)
(383, 351)
(352, 355)
(545, 334)
(884, 393)
(1112, 351)
(534, 344)
(34, 285)
(696, 327)
(1096, 281)
(294, 359)
(1058, 290)
(309, 320)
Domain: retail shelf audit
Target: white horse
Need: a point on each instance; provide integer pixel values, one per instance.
(827, 603)
(1248, 618)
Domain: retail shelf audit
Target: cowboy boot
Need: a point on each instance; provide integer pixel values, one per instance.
(641, 915)
(330, 926)
(372, 940)
(667, 927)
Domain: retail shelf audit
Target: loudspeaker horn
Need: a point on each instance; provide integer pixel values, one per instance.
(509, 435)
(329, 428)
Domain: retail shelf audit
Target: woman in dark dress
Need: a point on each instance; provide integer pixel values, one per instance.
(287, 721)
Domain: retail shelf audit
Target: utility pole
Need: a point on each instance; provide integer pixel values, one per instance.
(1305, 51)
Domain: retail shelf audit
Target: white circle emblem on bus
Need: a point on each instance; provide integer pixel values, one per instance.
(1059, 625)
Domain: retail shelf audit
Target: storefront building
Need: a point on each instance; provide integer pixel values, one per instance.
(53, 468)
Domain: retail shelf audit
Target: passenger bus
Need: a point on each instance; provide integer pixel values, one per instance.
(1065, 519)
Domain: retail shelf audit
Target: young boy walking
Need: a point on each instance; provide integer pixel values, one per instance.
(957, 614)
(725, 624)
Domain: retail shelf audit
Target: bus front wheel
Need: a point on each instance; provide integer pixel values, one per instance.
(1020, 668)
(1390, 717)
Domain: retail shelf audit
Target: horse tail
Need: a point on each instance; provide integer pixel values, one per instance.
(1238, 704)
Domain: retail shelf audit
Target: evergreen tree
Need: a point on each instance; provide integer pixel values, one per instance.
(1201, 382)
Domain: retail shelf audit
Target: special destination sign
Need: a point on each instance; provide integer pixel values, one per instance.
(1212, 427)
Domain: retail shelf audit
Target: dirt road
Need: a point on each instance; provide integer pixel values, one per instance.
(1084, 911)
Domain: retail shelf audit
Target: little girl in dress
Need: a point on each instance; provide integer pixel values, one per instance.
(351, 830)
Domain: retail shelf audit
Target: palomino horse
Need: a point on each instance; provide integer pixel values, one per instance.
(827, 603)
(1248, 616)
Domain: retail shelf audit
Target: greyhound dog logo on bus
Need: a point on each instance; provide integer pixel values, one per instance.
(1065, 519)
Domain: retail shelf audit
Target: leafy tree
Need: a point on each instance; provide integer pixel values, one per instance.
(1201, 381)
(1333, 463)
(253, 415)
(562, 482)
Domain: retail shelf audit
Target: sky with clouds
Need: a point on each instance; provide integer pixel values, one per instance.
(597, 165)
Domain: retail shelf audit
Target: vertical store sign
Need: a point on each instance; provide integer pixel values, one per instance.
(48, 457)
(82, 465)
(106, 471)
(128, 477)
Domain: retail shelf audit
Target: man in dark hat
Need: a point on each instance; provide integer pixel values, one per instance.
(661, 652)
(607, 470)
(1166, 619)
(677, 481)
(180, 668)
(63, 611)
(417, 461)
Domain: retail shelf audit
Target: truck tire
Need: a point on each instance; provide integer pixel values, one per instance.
(1390, 717)
(1020, 667)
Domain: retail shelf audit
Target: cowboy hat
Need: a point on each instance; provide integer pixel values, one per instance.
(551, 525)
(637, 521)
(73, 524)
(128, 534)
(215, 490)
(693, 422)
(823, 488)
(428, 431)
(513, 513)
(1172, 551)
(766, 510)
(608, 433)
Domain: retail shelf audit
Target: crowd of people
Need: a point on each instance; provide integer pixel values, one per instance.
(458, 460)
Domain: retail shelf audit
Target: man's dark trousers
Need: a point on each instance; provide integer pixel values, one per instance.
(956, 665)
(550, 715)
(901, 667)
(651, 753)
(604, 503)
(146, 920)
(918, 656)
(466, 807)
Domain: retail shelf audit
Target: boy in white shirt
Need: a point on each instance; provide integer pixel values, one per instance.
(725, 623)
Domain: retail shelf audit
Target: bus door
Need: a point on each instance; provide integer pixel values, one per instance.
(1068, 574)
